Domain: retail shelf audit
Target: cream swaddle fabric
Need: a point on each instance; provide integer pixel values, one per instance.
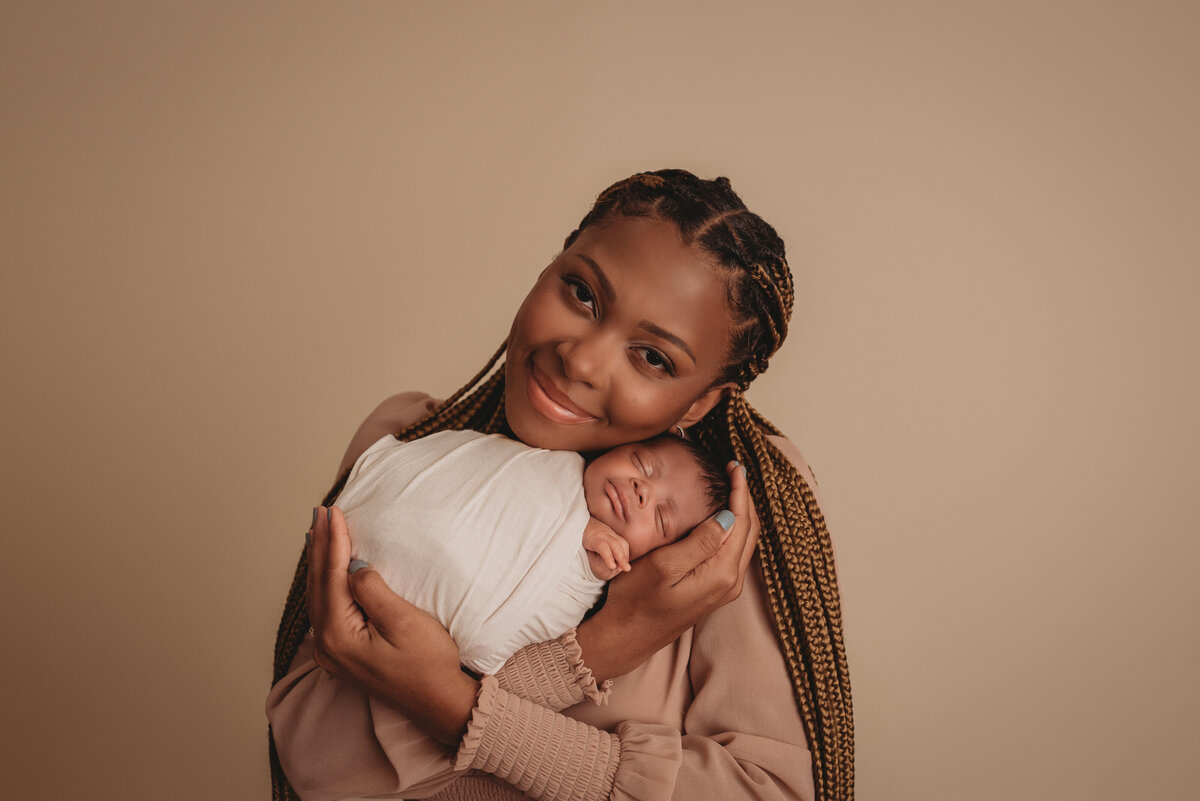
(481, 531)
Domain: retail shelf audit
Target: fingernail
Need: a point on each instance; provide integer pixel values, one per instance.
(308, 538)
(314, 516)
(743, 470)
(329, 514)
(737, 463)
(357, 565)
(725, 518)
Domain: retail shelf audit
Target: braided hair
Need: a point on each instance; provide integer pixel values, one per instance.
(794, 548)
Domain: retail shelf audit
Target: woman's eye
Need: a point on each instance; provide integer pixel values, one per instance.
(581, 292)
(656, 361)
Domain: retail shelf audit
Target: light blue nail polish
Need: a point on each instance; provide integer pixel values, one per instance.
(743, 470)
(307, 538)
(314, 522)
(329, 514)
(357, 565)
(725, 518)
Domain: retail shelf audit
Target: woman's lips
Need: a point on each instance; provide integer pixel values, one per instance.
(615, 498)
(550, 403)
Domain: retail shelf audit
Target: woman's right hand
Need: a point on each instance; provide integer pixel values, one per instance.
(670, 589)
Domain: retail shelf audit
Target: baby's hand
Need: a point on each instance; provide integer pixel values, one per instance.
(609, 546)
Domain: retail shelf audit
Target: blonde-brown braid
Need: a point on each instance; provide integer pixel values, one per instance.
(795, 554)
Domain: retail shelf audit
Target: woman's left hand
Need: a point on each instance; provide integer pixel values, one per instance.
(366, 634)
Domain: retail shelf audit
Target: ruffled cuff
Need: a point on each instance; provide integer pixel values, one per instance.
(538, 751)
(552, 674)
(652, 755)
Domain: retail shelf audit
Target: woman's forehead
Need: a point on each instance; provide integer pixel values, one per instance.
(647, 243)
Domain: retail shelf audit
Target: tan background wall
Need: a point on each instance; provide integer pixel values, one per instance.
(229, 231)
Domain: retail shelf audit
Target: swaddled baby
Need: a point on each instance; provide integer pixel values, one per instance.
(509, 545)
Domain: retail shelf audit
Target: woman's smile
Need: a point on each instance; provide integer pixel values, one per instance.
(550, 402)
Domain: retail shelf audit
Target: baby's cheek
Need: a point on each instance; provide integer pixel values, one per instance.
(639, 544)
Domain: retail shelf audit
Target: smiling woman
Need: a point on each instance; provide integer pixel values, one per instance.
(665, 303)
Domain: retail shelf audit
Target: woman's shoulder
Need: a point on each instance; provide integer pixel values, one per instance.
(393, 415)
(403, 409)
(789, 449)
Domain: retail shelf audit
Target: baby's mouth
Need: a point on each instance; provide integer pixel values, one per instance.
(615, 498)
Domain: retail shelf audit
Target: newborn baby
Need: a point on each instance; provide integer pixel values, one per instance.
(508, 545)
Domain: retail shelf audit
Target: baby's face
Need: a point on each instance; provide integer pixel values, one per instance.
(649, 493)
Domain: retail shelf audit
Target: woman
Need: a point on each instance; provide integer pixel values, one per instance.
(664, 304)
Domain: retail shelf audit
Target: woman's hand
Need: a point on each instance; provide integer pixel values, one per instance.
(671, 588)
(397, 652)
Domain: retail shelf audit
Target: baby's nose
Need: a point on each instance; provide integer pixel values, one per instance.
(640, 491)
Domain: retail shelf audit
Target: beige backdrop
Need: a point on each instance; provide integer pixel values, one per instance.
(230, 230)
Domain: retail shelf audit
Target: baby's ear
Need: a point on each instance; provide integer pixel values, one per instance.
(705, 403)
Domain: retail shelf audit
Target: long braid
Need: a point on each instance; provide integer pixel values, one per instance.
(795, 552)
(796, 556)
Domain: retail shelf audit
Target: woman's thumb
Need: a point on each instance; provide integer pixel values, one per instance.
(372, 594)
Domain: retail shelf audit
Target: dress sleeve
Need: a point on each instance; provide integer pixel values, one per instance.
(742, 738)
(336, 742)
(552, 674)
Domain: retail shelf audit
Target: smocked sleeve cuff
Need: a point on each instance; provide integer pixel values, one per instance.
(651, 755)
(552, 674)
(540, 752)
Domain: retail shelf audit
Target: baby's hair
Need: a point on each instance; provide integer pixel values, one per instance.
(794, 549)
(713, 478)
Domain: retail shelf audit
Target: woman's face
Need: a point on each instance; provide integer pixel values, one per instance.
(620, 339)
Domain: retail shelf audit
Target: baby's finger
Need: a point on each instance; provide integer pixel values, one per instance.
(623, 555)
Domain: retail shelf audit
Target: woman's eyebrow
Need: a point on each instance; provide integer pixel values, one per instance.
(663, 333)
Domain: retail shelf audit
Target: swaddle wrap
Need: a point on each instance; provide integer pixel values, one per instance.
(481, 531)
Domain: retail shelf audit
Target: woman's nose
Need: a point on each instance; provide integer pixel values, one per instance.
(584, 360)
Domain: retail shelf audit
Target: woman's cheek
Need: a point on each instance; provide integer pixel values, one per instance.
(644, 409)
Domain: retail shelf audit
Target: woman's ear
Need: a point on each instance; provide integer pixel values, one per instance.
(704, 404)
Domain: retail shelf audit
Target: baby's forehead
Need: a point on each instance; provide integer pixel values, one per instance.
(672, 448)
(669, 450)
